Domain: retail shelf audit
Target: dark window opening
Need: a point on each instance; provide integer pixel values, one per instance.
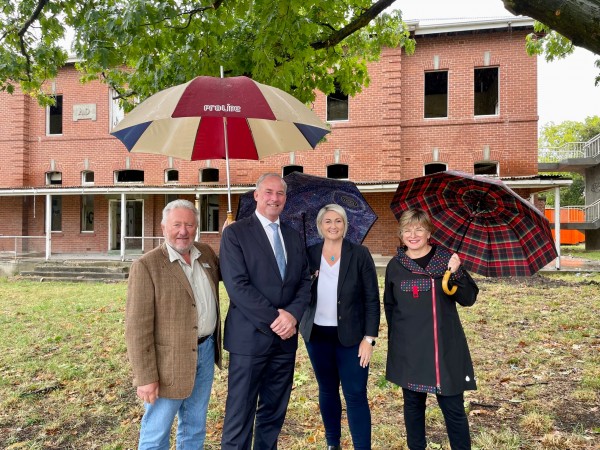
(486, 168)
(486, 91)
(436, 94)
(209, 212)
(55, 116)
(338, 171)
(87, 177)
(209, 175)
(56, 211)
(337, 105)
(129, 176)
(87, 213)
(53, 177)
(171, 175)
(434, 168)
(292, 168)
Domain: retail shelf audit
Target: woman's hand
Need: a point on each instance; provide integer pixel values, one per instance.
(454, 263)
(365, 351)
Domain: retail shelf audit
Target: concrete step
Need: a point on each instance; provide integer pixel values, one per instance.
(79, 279)
(75, 268)
(75, 274)
(77, 271)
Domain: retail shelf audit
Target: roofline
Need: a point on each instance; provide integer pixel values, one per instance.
(375, 187)
(469, 25)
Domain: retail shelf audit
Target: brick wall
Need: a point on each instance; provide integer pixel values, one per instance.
(385, 139)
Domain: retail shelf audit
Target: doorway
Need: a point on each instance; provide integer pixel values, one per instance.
(134, 225)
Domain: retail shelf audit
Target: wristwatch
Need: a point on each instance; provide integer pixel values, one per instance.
(370, 340)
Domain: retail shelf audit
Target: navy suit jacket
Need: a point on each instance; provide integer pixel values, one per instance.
(256, 290)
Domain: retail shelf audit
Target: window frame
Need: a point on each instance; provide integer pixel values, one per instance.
(343, 97)
(475, 96)
(487, 163)
(208, 210)
(447, 93)
(339, 166)
(117, 172)
(116, 112)
(59, 105)
(50, 175)
(434, 164)
(86, 224)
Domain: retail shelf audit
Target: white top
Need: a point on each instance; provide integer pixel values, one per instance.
(326, 312)
(203, 293)
(265, 223)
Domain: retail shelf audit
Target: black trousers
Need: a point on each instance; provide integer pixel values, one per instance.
(259, 390)
(457, 424)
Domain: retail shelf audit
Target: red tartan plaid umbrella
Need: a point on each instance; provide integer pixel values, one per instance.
(494, 231)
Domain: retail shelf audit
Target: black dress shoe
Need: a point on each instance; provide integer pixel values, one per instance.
(334, 447)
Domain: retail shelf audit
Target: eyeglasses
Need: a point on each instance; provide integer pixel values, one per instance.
(415, 231)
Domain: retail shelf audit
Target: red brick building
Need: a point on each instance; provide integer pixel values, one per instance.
(465, 100)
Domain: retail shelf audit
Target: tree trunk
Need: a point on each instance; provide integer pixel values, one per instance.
(578, 20)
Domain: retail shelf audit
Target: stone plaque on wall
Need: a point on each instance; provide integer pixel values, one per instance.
(84, 112)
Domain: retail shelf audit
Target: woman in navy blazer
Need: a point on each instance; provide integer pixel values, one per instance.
(340, 326)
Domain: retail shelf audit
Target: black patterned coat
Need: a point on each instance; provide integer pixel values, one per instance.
(427, 348)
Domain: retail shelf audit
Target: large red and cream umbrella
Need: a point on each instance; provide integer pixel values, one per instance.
(220, 118)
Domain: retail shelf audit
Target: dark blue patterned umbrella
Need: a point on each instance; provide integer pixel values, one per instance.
(306, 195)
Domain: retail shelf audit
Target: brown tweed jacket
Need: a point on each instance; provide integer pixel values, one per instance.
(161, 322)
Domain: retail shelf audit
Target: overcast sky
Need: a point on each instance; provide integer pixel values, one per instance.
(566, 88)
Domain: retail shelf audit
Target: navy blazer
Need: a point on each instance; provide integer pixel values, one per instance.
(358, 306)
(256, 290)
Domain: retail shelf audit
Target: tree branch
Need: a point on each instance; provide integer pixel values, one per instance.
(577, 20)
(34, 16)
(191, 13)
(358, 23)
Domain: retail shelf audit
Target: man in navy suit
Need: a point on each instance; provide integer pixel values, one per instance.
(267, 300)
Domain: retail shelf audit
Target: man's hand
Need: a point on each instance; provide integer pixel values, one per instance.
(148, 393)
(285, 325)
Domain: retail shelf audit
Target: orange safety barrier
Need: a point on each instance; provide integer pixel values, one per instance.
(567, 237)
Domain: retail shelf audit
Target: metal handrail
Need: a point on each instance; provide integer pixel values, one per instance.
(570, 150)
(591, 213)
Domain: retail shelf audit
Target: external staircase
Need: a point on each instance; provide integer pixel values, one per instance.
(584, 158)
(78, 271)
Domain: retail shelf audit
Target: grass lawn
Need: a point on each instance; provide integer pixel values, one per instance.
(65, 381)
(579, 251)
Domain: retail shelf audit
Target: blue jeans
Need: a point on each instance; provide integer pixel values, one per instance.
(334, 364)
(191, 411)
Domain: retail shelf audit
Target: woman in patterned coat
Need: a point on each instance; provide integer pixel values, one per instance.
(427, 348)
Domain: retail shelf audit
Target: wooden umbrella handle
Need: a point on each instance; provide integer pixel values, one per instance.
(445, 287)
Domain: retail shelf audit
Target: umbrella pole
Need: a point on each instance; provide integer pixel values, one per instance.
(229, 213)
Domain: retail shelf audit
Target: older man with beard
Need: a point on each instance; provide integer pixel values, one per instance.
(172, 330)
